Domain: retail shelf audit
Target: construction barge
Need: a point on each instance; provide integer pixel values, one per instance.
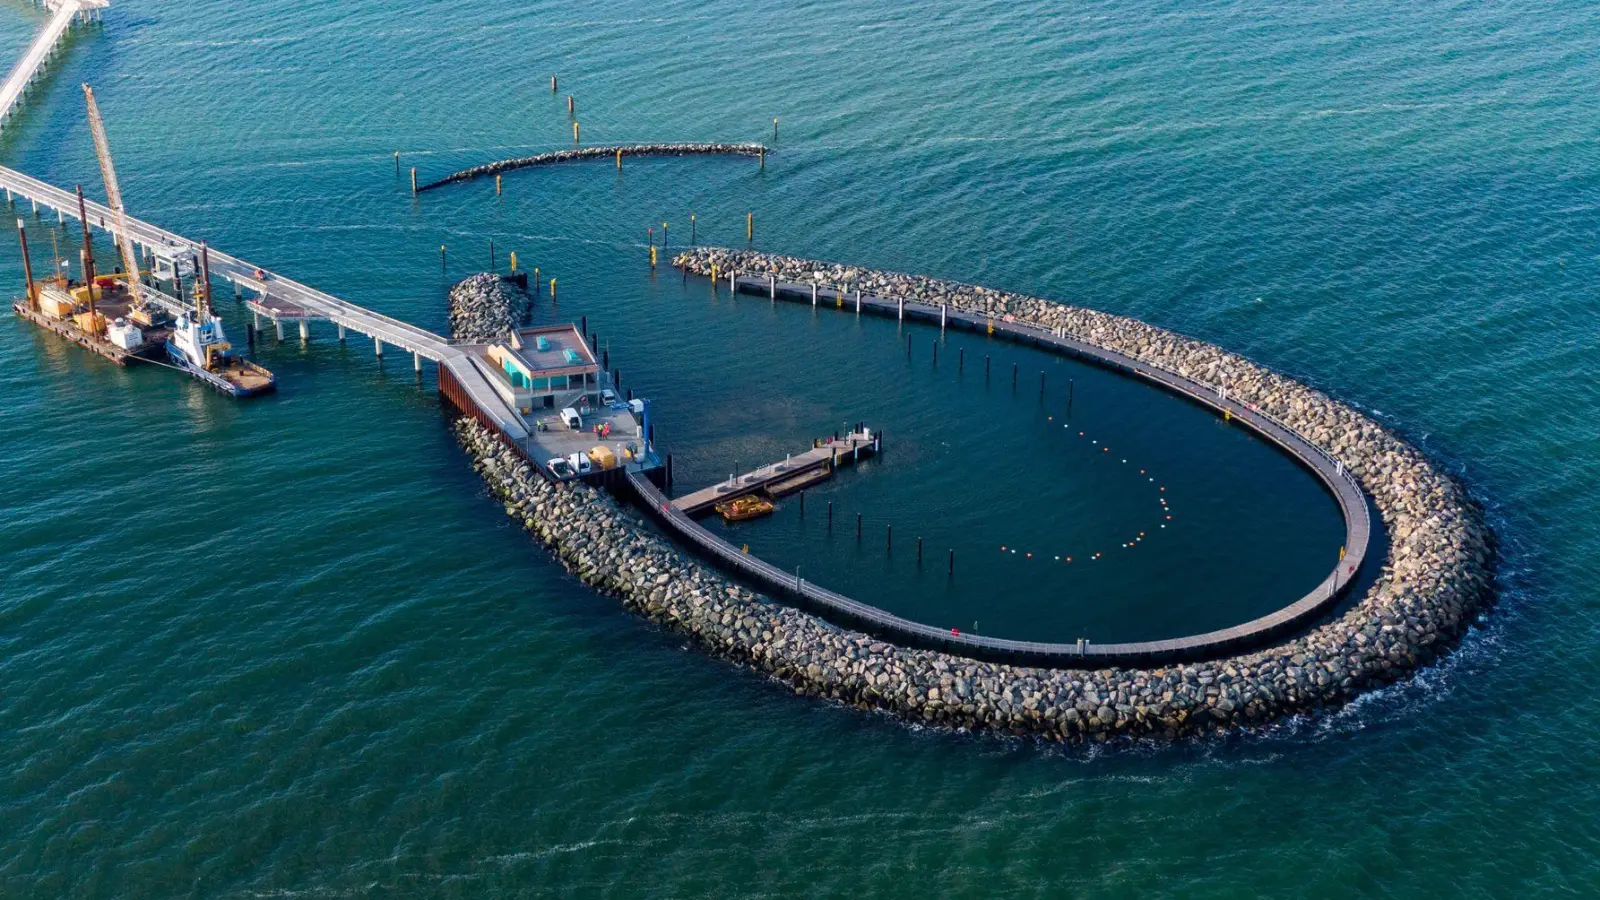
(120, 318)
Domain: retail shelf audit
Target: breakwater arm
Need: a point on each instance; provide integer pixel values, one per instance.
(582, 153)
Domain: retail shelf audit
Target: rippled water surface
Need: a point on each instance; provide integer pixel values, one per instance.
(288, 648)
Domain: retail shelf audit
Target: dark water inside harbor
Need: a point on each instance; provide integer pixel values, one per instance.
(287, 648)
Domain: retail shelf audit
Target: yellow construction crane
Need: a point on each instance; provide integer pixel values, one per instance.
(108, 171)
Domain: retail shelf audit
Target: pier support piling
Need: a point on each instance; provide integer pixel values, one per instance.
(416, 362)
(377, 347)
(341, 334)
(305, 332)
(277, 327)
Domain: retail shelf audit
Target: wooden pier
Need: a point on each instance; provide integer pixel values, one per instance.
(794, 473)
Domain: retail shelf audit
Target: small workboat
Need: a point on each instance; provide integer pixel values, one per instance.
(743, 509)
(199, 346)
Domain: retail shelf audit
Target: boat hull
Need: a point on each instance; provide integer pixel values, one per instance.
(231, 388)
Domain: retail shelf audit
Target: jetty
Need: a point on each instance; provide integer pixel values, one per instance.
(616, 152)
(793, 474)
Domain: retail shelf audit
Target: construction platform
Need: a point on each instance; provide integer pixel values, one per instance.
(793, 474)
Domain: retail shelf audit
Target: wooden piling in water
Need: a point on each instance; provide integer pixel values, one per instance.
(858, 527)
(413, 181)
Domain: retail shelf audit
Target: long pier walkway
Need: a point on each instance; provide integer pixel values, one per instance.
(31, 66)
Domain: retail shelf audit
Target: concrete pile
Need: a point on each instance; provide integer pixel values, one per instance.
(1438, 574)
(577, 153)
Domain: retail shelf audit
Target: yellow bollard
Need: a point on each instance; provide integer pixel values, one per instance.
(1227, 415)
(991, 326)
(750, 226)
(619, 157)
(1341, 554)
(574, 132)
(552, 290)
(513, 262)
(652, 256)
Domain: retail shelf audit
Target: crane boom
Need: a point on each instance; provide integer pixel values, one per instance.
(108, 171)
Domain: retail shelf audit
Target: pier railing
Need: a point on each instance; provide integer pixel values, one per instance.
(843, 610)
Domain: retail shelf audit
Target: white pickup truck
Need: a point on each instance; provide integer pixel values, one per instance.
(571, 466)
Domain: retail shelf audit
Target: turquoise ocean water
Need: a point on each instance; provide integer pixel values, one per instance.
(288, 648)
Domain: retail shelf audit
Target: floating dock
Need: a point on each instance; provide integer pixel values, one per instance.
(794, 473)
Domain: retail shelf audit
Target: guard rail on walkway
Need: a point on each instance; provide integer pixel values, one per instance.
(852, 613)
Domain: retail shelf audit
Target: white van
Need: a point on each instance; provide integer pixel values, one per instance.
(572, 419)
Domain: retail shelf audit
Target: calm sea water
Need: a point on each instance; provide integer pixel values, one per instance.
(287, 648)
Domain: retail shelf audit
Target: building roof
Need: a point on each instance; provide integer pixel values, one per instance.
(553, 361)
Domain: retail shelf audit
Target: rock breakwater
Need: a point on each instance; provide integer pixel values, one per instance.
(578, 153)
(1438, 574)
(485, 307)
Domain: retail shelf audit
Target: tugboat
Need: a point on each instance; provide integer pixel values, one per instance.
(200, 347)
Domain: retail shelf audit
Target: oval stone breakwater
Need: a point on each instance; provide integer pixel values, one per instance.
(578, 153)
(1438, 573)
